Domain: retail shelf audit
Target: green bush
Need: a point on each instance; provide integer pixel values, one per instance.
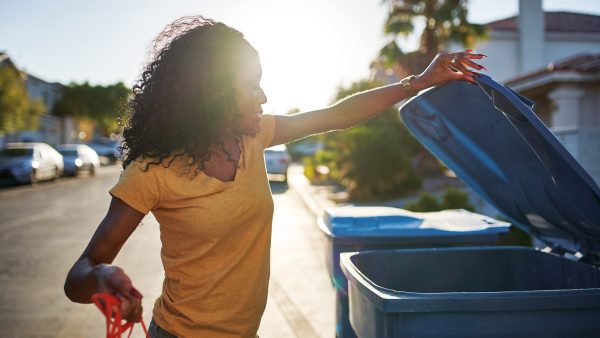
(373, 161)
(515, 236)
(311, 164)
(309, 168)
(426, 203)
(456, 199)
(451, 199)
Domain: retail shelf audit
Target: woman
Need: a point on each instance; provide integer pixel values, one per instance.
(193, 155)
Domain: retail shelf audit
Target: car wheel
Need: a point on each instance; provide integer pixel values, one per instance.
(33, 180)
(92, 170)
(56, 174)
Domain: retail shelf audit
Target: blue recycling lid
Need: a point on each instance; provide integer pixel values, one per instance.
(490, 137)
(362, 222)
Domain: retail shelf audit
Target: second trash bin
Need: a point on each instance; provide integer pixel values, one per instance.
(351, 228)
(494, 142)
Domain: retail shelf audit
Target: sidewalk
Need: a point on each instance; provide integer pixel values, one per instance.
(314, 197)
(301, 299)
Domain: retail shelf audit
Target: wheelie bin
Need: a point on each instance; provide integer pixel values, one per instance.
(490, 137)
(351, 228)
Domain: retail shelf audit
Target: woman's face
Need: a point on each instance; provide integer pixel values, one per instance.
(250, 97)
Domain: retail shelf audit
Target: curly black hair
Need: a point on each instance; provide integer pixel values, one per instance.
(185, 95)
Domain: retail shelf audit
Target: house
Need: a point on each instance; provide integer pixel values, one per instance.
(552, 58)
(533, 39)
(52, 129)
(567, 98)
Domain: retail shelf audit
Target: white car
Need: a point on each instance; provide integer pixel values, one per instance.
(30, 162)
(277, 160)
(78, 158)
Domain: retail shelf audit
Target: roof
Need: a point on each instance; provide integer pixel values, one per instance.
(71, 146)
(32, 78)
(6, 61)
(584, 63)
(565, 22)
(22, 145)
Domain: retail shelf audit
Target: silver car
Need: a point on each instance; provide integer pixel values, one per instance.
(30, 162)
(79, 158)
(277, 160)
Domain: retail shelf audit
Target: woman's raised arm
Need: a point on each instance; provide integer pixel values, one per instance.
(359, 107)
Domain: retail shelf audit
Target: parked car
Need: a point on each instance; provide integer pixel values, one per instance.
(307, 148)
(78, 158)
(107, 149)
(30, 162)
(278, 160)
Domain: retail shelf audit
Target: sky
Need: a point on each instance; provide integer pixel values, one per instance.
(308, 48)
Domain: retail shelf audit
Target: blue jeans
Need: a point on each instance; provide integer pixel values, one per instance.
(155, 331)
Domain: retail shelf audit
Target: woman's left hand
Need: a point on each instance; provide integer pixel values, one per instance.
(447, 67)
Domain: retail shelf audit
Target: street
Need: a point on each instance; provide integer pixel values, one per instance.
(45, 228)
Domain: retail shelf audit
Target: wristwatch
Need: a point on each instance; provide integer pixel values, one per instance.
(406, 84)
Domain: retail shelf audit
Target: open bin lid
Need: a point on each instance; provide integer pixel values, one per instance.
(490, 137)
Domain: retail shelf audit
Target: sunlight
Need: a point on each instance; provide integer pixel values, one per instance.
(304, 51)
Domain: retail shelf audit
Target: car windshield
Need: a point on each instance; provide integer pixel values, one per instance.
(68, 152)
(16, 152)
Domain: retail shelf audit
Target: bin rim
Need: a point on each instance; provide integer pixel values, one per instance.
(564, 209)
(323, 226)
(385, 299)
(428, 225)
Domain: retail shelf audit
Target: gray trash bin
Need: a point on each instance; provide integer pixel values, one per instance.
(494, 142)
(352, 228)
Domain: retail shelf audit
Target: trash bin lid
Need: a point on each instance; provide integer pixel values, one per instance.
(352, 221)
(490, 137)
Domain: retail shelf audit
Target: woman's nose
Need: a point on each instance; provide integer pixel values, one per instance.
(262, 97)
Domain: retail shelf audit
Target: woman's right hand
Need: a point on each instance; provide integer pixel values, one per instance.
(447, 67)
(112, 279)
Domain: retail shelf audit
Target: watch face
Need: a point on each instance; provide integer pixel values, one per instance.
(406, 85)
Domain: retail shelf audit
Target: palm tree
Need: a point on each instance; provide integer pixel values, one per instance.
(445, 21)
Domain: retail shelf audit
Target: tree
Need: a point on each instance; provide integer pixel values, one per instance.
(17, 112)
(445, 21)
(379, 159)
(102, 104)
(373, 160)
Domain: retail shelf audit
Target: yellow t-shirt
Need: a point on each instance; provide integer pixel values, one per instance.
(216, 239)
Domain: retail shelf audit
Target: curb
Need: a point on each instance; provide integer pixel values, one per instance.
(300, 184)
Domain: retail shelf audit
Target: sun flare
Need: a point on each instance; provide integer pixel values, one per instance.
(302, 54)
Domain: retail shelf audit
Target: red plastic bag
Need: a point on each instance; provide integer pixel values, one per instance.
(110, 306)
